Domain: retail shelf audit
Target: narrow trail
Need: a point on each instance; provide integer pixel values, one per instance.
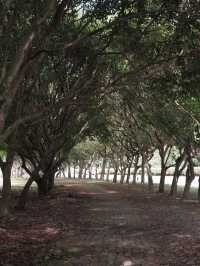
(102, 225)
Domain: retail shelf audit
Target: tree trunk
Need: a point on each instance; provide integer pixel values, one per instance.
(190, 175)
(143, 170)
(136, 168)
(173, 190)
(6, 168)
(23, 196)
(115, 174)
(128, 174)
(150, 178)
(46, 183)
(103, 169)
(96, 172)
(162, 179)
(177, 173)
(6, 171)
(69, 171)
(90, 173)
(80, 172)
(74, 171)
(198, 196)
(108, 174)
(187, 187)
(85, 173)
(51, 181)
(42, 184)
(123, 174)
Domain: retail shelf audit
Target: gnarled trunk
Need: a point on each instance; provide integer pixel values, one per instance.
(45, 183)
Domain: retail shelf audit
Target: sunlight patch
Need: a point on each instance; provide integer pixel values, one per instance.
(127, 263)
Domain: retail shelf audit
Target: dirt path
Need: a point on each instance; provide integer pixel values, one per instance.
(102, 225)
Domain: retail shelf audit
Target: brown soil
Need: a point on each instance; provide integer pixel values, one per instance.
(102, 225)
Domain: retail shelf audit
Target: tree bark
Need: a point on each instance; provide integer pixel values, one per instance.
(162, 179)
(115, 174)
(74, 171)
(143, 170)
(23, 196)
(6, 168)
(128, 173)
(6, 171)
(103, 169)
(45, 183)
(69, 171)
(150, 178)
(108, 172)
(123, 174)
(177, 173)
(80, 171)
(96, 172)
(198, 196)
(190, 175)
(187, 187)
(136, 168)
(85, 173)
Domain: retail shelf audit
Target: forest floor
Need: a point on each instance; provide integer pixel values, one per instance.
(102, 224)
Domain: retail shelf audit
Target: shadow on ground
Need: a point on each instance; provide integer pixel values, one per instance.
(102, 225)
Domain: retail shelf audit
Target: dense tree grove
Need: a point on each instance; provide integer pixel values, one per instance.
(101, 85)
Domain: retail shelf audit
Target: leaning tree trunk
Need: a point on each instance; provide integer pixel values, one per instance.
(173, 190)
(23, 196)
(186, 190)
(177, 173)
